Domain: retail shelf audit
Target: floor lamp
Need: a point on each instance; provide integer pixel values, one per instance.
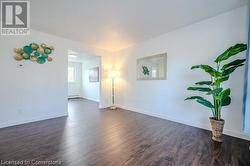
(112, 75)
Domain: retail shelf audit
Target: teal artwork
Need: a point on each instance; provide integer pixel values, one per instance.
(145, 70)
(37, 54)
(34, 52)
(41, 60)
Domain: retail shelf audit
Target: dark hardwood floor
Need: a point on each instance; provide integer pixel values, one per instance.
(89, 136)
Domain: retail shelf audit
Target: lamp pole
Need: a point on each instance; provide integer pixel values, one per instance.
(113, 75)
(113, 93)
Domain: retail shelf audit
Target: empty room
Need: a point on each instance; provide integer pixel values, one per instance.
(125, 82)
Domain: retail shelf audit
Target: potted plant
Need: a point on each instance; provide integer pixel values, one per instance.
(213, 87)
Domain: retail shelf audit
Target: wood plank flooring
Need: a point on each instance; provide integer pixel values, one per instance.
(93, 137)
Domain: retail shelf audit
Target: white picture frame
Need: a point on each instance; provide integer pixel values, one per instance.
(94, 74)
(152, 67)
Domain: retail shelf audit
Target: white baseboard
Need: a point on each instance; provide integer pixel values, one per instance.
(91, 99)
(24, 121)
(241, 135)
(103, 106)
(76, 96)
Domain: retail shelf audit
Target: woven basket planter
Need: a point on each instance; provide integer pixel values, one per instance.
(217, 129)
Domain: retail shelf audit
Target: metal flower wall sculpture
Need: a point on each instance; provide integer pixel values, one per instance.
(34, 52)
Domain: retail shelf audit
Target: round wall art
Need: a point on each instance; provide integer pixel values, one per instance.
(34, 52)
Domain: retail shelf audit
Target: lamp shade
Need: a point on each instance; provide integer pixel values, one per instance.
(113, 74)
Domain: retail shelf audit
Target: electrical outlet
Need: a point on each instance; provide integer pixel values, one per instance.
(20, 66)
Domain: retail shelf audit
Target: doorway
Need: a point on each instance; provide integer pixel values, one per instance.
(83, 76)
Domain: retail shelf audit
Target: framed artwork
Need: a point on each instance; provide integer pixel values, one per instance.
(152, 67)
(94, 74)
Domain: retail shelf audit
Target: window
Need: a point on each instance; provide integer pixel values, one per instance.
(71, 74)
(154, 72)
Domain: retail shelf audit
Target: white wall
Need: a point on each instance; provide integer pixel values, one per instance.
(90, 90)
(194, 44)
(75, 88)
(36, 92)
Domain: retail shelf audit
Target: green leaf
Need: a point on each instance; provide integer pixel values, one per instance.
(207, 69)
(201, 100)
(225, 101)
(230, 70)
(215, 91)
(205, 103)
(199, 89)
(234, 63)
(193, 97)
(231, 52)
(225, 93)
(221, 79)
(204, 83)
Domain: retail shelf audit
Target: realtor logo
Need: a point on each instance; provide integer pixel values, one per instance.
(15, 18)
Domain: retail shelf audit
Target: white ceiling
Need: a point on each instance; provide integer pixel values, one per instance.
(80, 57)
(116, 24)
